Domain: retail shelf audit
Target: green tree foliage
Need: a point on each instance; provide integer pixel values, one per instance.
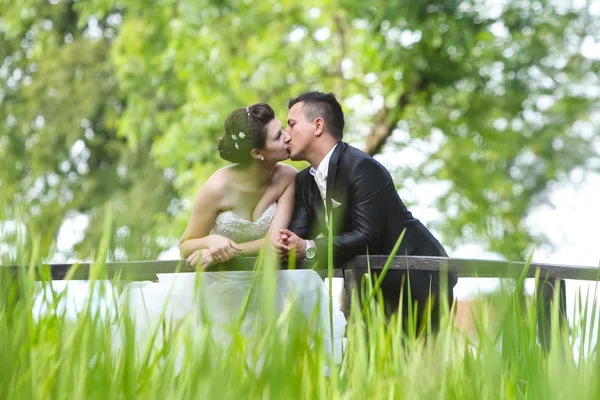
(498, 95)
(60, 148)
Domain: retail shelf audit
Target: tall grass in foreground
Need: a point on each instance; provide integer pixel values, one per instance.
(52, 356)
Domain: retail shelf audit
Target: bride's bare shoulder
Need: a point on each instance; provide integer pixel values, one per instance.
(217, 184)
(286, 172)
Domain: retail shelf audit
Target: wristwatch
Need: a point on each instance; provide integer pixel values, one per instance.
(310, 251)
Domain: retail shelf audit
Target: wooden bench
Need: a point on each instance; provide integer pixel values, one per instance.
(549, 274)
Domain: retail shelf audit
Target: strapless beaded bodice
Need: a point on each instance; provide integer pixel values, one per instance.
(239, 229)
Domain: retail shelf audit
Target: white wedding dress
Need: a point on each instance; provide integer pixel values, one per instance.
(220, 296)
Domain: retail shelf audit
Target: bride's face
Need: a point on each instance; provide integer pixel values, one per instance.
(275, 148)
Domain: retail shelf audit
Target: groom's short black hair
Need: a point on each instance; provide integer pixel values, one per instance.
(323, 105)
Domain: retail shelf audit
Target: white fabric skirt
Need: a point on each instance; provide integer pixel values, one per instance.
(221, 297)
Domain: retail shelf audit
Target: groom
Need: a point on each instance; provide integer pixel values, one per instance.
(359, 193)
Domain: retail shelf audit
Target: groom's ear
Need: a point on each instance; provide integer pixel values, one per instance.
(319, 126)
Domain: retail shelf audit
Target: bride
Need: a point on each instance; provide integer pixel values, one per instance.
(237, 209)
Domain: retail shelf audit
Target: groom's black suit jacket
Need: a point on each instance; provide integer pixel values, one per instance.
(370, 216)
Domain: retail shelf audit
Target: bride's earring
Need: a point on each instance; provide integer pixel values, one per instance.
(262, 158)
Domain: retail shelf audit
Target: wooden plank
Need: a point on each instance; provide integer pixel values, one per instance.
(479, 268)
(139, 270)
(143, 270)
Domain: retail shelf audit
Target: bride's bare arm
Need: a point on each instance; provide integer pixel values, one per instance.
(285, 208)
(197, 233)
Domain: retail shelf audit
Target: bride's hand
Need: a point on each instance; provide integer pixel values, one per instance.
(222, 249)
(207, 259)
(194, 259)
(201, 258)
(289, 241)
(278, 243)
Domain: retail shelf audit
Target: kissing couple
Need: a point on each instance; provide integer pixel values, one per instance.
(259, 198)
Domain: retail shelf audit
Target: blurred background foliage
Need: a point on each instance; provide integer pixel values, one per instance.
(123, 101)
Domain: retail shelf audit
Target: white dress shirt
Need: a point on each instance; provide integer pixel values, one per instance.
(320, 175)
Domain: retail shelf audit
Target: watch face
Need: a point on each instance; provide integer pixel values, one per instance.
(310, 253)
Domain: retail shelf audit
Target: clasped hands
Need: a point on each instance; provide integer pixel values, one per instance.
(220, 249)
(288, 241)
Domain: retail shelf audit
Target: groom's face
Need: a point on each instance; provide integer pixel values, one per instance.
(300, 131)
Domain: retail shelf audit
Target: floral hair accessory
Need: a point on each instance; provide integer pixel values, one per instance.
(248, 123)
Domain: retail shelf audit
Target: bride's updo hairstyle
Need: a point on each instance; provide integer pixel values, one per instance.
(245, 129)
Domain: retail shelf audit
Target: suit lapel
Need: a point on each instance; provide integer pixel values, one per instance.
(315, 195)
(314, 198)
(332, 172)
